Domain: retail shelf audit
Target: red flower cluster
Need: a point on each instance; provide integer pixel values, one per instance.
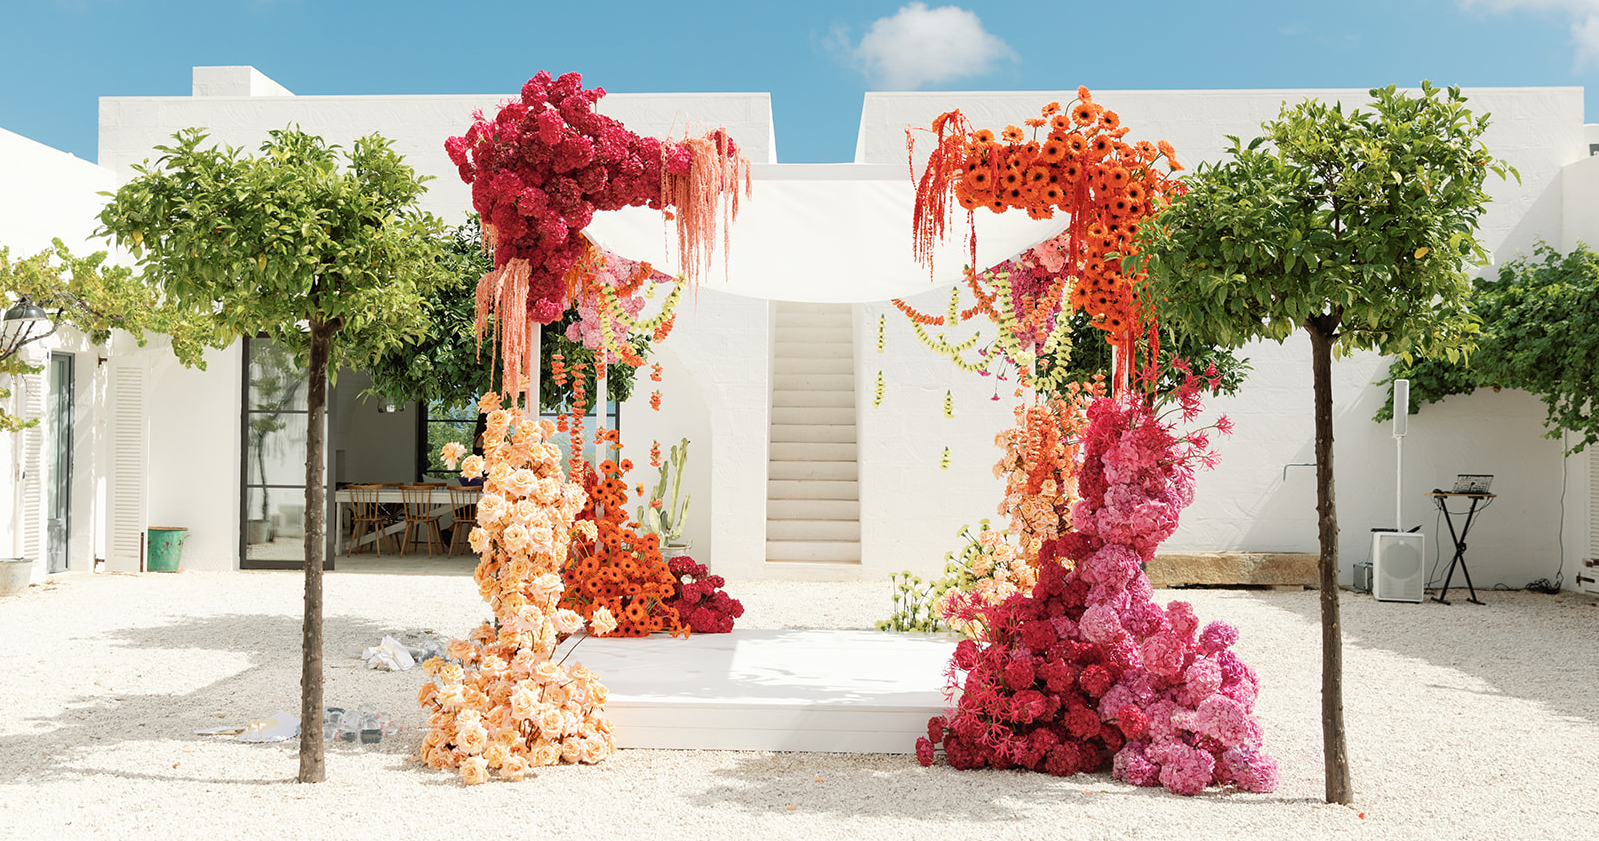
(541, 168)
(700, 599)
(621, 569)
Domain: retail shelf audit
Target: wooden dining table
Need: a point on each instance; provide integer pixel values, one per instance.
(438, 502)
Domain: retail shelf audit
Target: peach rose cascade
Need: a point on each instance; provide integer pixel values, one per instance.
(504, 706)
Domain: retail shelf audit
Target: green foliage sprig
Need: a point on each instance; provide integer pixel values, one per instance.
(96, 298)
(1540, 333)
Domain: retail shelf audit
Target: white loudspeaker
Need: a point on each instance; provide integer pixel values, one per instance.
(1401, 406)
(1399, 571)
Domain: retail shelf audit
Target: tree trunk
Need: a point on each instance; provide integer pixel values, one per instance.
(1335, 751)
(313, 768)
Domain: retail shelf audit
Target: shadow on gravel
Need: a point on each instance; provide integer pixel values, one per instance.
(1542, 648)
(269, 683)
(886, 786)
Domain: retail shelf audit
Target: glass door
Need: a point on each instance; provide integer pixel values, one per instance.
(58, 472)
(272, 525)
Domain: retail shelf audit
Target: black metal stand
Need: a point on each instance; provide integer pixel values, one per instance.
(1460, 542)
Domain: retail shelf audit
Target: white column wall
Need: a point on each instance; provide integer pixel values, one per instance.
(684, 414)
(721, 344)
(911, 509)
(44, 194)
(193, 468)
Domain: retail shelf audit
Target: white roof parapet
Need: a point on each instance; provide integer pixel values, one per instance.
(235, 80)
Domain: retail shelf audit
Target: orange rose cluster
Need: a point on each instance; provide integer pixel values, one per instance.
(1075, 161)
(617, 570)
(501, 705)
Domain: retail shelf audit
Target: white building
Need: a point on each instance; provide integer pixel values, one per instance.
(157, 444)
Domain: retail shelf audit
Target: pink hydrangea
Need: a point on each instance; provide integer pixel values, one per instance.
(1101, 625)
(1217, 637)
(1183, 769)
(1131, 766)
(1249, 769)
(1226, 721)
(1164, 654)
(1201, 680)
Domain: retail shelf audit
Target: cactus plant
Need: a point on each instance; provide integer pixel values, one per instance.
(663, 519)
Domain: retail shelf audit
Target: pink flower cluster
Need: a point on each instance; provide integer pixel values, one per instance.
(700, 600)
(602, 324)
(1089, 671)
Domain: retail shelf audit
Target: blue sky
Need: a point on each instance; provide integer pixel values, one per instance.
(816, 58)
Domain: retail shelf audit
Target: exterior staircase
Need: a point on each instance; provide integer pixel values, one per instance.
(812, 495)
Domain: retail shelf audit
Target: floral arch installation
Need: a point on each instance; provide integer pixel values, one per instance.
(1082, 671)
(558, 553)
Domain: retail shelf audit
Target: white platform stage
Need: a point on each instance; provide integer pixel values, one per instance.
(799, 690)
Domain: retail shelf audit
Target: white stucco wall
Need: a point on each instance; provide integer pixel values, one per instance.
(416, 126)
(911, 509)
(47, 194)
(721, 344)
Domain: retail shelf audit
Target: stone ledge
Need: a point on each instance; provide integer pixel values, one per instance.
(1269, 569)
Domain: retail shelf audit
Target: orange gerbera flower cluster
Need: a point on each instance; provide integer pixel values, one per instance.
(501, 704)
(616, 569)
(1075, 161)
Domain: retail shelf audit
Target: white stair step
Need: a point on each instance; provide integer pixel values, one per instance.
(812, 416)
(813, 530)
(839, 335)
(813, 509)
(815, 399)
(829, 551)
(809, 306)
(799, 346)
(777, 489)
(811, 451)
(814, 319)
(840, 433)
(814, 365)
(833, 471)
(813, 382)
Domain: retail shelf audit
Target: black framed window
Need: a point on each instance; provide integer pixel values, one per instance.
(439, 424)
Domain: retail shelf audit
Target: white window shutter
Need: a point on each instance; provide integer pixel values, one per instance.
(129, 444)
(1588, 567)
(31, 484)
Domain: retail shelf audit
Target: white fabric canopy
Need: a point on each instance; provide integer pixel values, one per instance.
(826, 233)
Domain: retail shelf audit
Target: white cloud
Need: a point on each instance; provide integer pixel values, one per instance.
(1584, 15)
(918, 46)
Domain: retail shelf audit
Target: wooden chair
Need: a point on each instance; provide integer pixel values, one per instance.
(420, 521)
(463, 504)
(367, 514)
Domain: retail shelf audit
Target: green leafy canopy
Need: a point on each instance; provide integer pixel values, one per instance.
(1364, 219)
(1540, 333)
(269, 242)
(96, 298)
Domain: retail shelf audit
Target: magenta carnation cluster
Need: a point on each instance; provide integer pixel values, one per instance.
(1088, 672)
(544, 165)
(700, 601)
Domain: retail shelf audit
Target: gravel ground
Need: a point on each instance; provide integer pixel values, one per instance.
(1465, 721)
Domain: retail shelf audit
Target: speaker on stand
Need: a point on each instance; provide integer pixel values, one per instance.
(1399, 569)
